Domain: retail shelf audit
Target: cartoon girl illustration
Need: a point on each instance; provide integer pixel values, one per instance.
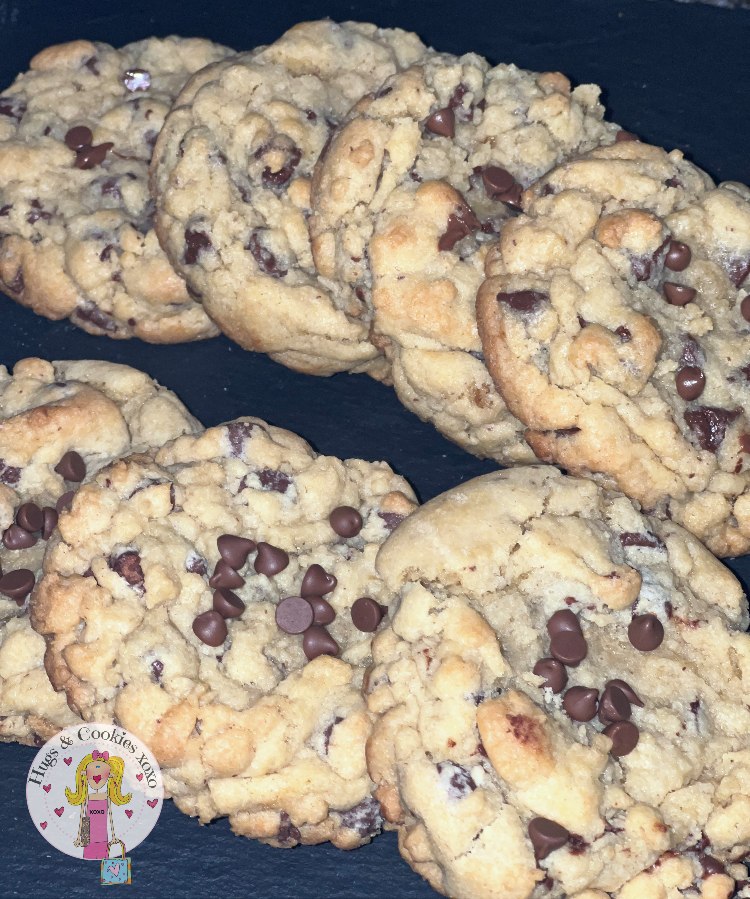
(98, 783)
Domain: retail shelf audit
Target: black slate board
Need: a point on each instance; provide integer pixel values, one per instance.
(676, 74)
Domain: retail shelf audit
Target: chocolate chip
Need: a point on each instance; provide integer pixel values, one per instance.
(646, 632)
(37, 212)
(317, 582)
(690, 382)
(195, 244)
(12, 107)
(614, 705)
(563, 621)
(710, 425)
(678, 256)
(367, 614)
(71, 467)
(738, 270)
(17, 584)
(92, 65)
(274, 480)
(136, 80)
(648, 540)
(281, 176)
(711, 865)
(391, 520)
(210, 628)
(157, 669)
(625, 687)
(17, 284)
(287, 832)
(457, 778)
(442, 122)
(500, 185)
(234, 550)
(581, 703)
(266, 260)
(328, 731)
(323, 611)
(29, 516)
(5, 210)
(546, 836)
(65, 501)
(128, 566)
(49, 522)
(523, 300)
(461, 222)
(225, 576)
(364, 819)
(317, 641)
(678, 294)
(195, 564)
(88, 312)
(745, 308)
(624, 334)
(90, 157)
(625, 136)
(77, 137)
(294, 615)
(692, 354)
(9, 474)
(270, 559)
(228, 604)
(16, 537)
(238, 432)
(624, 736)
(569, 648)
(345, 521)
(554, 674)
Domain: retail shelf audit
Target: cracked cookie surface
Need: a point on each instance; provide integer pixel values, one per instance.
(100, 411)
(231, 175)
(498, 779)
(76, 219)
(616, 321)
(259, 723)
(408, 196)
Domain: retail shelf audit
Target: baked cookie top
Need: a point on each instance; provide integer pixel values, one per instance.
(617, 325)
(59, 423)
(76, 218)
(559, 697)
(408, 196)
(219, 599)
(231, 175)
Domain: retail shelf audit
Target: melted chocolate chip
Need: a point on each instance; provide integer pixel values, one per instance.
(37, 212)
(196, 242)
(624, 334)
(345, 521)
(157, 669)
(9, 474)
(210, 628)
(442, 122)
(77, 137)
(317, 582)
(710, 425)
(128, 566)
(457, 779)
(461, 222)
(280, 177)
(237, 433)
(711, 865)
(364, 819)
(91, 156)
(738, 270)
(317, 641)
(648, 540)
(287, 833)
(266, 260)
(274, 480)
(523, 300)
(12, 107)
(270, 560)
(646, 632)
(623, 136)
(328, 731)
(581, 703)
(92, 64)
(546, 836)
(93, 314)
(554, 674)
(196, 565)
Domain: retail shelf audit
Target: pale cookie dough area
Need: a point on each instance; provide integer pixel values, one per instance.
(616, 321)
(76, 218)
(59, 423)
(560, 697)
(218, 599)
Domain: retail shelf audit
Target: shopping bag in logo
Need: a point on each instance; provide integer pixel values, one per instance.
(115, 870)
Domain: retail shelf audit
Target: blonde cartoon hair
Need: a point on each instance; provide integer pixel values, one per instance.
(114, 784)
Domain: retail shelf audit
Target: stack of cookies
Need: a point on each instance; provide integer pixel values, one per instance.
(538, 679)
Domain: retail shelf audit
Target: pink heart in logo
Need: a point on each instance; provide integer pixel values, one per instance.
(43, 825)
(152, 802)
(68, 761)
(59, 811)
(47, 787)
(115, 869)
(139, 777)
(96, 778)
(129, 812)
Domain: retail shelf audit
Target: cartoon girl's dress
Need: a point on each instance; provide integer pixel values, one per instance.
(97, 812)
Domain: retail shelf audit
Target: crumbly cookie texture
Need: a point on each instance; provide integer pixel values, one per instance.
(100, 411)
(76, 219)
(496, 790)
(408, 196)
(616, 322)
(250, 724)
(231, 175)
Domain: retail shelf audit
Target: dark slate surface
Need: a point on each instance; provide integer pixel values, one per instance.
(675, 73)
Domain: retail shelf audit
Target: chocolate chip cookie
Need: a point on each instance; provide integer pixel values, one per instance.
(406, 200)
(560, 697)
(218, 599)
(231, 175)
(59, 423)
(616, 322)
(76, 219)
